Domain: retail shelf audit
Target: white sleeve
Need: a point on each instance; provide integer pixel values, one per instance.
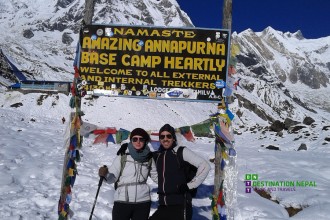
(203, 167)
(110, 178)
(114, 170)
(153, 172)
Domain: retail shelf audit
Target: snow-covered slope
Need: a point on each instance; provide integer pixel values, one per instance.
(32, 152)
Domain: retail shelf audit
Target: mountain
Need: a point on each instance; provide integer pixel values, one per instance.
(40, 37)
(284, 69)
(281, 103)
(281, 73)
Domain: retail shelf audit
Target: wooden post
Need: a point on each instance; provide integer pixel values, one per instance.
(89, 13)
(219, 174)
(227, 14)
(217, 170)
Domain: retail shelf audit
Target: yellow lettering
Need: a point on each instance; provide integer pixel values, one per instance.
(189, 63)
(154, 32)
(141, 60)
(192, 47)
(95, 58)
(86, 42)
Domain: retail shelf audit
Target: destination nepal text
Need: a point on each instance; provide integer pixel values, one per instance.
(283, 184)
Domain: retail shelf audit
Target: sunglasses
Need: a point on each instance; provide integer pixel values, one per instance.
(168, 136)
(136, 139)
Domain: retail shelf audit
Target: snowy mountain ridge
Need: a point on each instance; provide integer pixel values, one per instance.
(40, 37)
(282, 74)
(283, 70)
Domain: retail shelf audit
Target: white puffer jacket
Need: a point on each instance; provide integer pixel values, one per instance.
(132, 186)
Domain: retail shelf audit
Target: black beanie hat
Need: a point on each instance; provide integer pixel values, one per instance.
(141, 132)
(169, 129)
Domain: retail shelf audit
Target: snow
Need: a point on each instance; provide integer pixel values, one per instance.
(32, 155)
(33, 137)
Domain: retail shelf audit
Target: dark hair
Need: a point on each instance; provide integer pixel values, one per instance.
(169, 129)
(141, 132)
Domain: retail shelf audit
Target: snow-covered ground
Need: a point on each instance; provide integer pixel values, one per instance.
(32, 153)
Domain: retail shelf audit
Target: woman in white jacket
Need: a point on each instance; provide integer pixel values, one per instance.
(130, 172)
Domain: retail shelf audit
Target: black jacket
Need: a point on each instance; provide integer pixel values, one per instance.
(170, 177)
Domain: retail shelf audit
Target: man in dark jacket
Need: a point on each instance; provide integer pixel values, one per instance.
(175, 202)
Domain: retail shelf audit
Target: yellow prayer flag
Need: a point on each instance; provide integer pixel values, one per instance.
(63, 213)
(70, 172)
(224, 155)
(234, 50)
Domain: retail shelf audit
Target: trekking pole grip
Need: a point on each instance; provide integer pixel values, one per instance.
(101, 178)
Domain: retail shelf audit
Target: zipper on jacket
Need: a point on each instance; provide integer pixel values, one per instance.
(164, 177)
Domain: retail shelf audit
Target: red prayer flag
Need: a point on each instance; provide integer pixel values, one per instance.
(105, 131)
(102, 138)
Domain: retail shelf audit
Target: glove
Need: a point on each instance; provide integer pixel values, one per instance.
(122, 149)
(183, 188)
(103, 171)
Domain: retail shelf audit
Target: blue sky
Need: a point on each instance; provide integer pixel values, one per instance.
(309, 16)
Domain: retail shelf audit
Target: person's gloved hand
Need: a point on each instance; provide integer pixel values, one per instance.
(103, 171)
(122, 149)
(183, 188)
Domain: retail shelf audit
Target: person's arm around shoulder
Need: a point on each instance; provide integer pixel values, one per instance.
(153, 171)
(203, 167)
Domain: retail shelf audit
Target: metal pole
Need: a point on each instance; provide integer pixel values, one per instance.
(97, 193)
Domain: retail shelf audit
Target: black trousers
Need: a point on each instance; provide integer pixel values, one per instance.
(172, 212)
(131, 211)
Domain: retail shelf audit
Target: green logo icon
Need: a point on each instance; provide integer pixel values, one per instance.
(250, 176)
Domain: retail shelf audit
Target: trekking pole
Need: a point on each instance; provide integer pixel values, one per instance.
(97, 193)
